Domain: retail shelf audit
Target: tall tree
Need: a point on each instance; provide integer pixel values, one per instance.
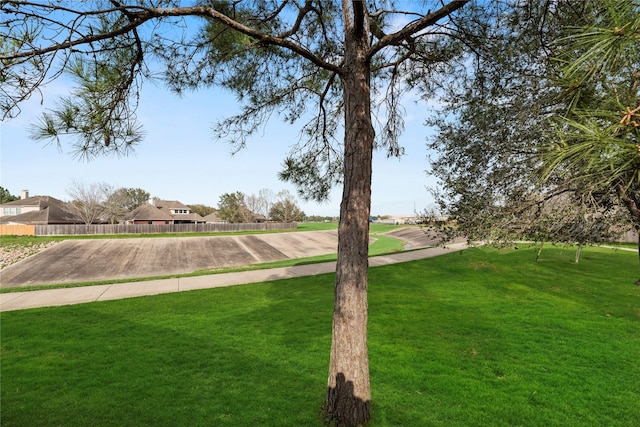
(88, 200)
(231, 207)
(202, 210)
(136, 197)
(547, 114)
(266, 196)
(278, 57)
(494, 119)
(260, 203)
(495, 127)
(597, 151)
(122, 201)
(114, 206)
(286, 209)
(6, 196)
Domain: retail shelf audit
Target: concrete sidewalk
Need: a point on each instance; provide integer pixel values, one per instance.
(57, 297)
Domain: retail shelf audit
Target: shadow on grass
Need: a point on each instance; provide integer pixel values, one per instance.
(173, 363)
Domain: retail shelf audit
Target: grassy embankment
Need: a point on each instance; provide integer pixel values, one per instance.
(382, 245)
(482, 337)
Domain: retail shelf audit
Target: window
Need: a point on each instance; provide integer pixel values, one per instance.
(10, 211)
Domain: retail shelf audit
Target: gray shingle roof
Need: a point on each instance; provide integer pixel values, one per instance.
(51, 211)
(170, 204)
(192, 217)
(212, 218)
(42, 201)
(148, 212)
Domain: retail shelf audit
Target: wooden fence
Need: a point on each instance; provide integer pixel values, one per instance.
(81, 229)
(17, 230)
(630, 237)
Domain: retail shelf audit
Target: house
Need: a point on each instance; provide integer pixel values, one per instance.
(257, 218)
(396, 220)
(37, 210)
(163, 212)
(148, 214)
(213, 218)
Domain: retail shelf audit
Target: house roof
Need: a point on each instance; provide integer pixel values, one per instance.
(148, 212)
(42, 201)
(212, 218)
(170, 204)
(52, 211)
(192, 216)
(160, 210)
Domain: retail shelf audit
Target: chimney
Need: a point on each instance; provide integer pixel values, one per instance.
(24, 194)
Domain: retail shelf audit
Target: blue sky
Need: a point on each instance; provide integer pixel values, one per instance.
(179, 158)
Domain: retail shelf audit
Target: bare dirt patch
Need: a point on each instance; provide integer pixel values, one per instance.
(12, 253)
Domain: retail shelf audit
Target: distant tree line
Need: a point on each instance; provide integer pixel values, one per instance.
(266, 205)
(100, 201)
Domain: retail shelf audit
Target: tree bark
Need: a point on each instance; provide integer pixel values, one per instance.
(349, 393)
(634, 210)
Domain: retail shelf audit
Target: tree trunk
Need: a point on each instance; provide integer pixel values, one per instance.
(634, 209)
(348, 393)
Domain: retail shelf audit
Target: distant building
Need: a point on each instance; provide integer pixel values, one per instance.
(37, 210)
(213, 218)
(396, 220)
(410, 220)
(257, 218)
(163, 212)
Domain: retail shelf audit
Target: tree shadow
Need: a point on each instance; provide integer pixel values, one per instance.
(343, 408)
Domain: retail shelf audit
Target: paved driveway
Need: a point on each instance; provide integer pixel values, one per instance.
(106, 259)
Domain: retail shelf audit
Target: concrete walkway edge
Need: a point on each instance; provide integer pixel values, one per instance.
(83, 294)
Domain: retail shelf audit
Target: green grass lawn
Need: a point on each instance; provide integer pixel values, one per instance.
(478, 338)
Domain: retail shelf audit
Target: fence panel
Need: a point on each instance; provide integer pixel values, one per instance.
(630, 237)
(17, 230)
(105, 229)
